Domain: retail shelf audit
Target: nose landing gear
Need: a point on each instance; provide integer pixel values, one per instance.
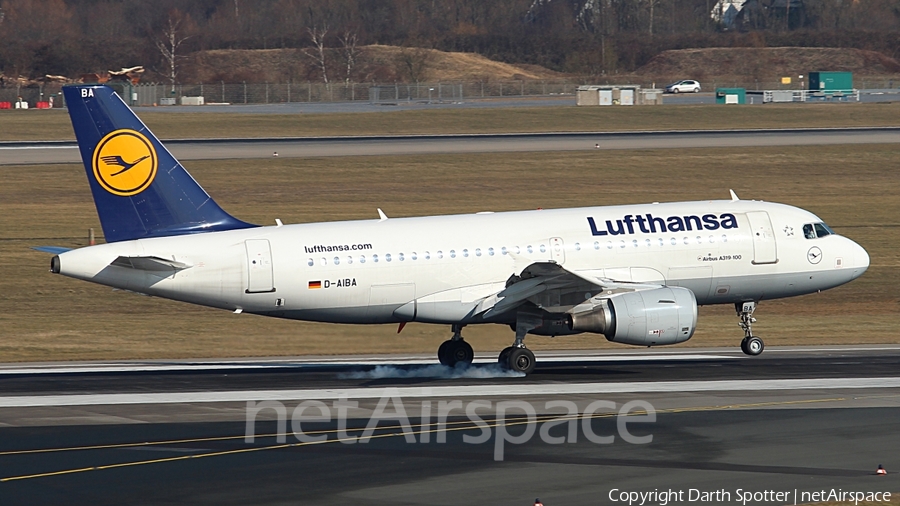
(751, 345)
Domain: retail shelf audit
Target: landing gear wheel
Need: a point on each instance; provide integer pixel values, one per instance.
(754, 346)
(454, 351)
(443, 356)
(744, 345)
(503, 359)
(460, 351)
(520, 360)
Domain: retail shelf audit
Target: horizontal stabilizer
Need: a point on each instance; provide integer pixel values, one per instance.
(56, 250)
(155, 264)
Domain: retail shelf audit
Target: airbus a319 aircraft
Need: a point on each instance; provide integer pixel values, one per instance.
(634, 274)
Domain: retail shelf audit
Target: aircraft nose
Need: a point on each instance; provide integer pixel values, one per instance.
(860, 260)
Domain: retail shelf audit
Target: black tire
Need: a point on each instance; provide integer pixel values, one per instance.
(460, 351)
(503, 359)
(521, 360)
(755, 346)
(443, 352)
(744, 346)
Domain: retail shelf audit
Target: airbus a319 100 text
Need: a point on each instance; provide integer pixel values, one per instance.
(633, 274)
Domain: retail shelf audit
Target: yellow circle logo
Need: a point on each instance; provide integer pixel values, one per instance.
(125, 162)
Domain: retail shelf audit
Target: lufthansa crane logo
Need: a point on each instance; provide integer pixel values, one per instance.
(125, 162)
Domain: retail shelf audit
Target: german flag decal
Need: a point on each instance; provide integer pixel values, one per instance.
(314, 285)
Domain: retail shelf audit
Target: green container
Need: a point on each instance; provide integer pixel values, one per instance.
(830, 82)
(731, 96)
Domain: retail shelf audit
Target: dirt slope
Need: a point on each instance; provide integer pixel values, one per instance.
(375, 63)
(767, 63)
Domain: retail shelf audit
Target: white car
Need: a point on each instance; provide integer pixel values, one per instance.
(684, 86)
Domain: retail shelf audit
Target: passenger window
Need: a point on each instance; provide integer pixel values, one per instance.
(311, 262)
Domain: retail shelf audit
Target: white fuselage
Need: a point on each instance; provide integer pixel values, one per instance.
(439, 269)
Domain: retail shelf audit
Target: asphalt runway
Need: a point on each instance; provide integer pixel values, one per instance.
(794, 420)
(18, 153)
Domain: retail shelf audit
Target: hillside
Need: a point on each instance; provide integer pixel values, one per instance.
(374, 63)
(766, 63)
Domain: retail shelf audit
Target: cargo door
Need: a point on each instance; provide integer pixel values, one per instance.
(385, 299)
(259, 266)
(764, 249)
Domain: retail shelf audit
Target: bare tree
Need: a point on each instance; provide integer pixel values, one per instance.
(172, 38)
(413, 61)
(350, 50)
(318, 39)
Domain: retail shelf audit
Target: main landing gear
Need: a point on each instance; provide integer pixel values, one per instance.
(751, 345)
(514, 358)
(517, 357)
(455, 349)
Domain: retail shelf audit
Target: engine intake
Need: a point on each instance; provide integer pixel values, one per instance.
(666, 315)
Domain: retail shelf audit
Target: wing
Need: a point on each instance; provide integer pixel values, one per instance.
(553, 288)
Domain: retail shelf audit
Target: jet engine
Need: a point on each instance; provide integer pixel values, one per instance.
(666, 315)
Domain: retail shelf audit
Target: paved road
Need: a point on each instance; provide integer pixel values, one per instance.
(65, 152)
(791, 420)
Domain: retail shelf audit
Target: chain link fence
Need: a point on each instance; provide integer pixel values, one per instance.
(148, 94)
(275, 93)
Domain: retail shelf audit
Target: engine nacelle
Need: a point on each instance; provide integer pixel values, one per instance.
(666, 315)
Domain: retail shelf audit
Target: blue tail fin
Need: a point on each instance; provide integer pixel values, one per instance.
(139, 188)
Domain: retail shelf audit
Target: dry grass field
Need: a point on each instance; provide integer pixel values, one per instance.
(45, 317)
(55, 125)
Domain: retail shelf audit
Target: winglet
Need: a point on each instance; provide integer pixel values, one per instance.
(381, 215)
(734, 197)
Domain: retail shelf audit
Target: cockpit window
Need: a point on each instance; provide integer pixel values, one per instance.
(813, 230)
(808, 231)
(822, 230)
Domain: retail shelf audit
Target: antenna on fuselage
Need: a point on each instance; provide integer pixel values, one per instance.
(734, 197)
